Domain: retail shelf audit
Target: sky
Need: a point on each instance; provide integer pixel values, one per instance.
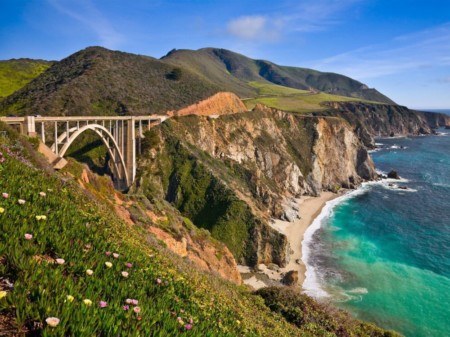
(399, 47)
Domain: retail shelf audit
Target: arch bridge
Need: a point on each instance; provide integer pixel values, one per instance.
(121, 135)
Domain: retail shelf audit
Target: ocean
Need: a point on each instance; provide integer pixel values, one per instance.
(383, 253)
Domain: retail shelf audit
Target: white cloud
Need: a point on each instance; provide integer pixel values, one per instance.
(87, 14)
(306, 16)
(247, 27)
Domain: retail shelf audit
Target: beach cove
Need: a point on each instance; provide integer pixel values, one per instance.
(309, 209)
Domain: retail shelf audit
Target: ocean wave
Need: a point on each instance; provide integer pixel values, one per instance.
(441, 185)
(394, 187)
(312, 283)
(358, 290)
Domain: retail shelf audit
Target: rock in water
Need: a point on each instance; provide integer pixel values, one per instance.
(291, 278)
(393, 175)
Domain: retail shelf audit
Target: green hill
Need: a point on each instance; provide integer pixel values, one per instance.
(16, 73)
(98, 81)
(234, 71)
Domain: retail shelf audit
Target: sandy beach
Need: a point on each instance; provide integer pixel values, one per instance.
(309, 208)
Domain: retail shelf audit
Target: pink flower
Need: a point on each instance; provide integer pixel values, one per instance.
(188, 326)
(137, 310)
(115, 255)
(158, 281)
(125, 274)
(52, 321)
(134, 302)
(126, 307)
(103, 304)
(129, 265)
(5, 195)
(108, 253)
(28, 236)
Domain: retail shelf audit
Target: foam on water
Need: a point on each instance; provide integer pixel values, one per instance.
(381, 252)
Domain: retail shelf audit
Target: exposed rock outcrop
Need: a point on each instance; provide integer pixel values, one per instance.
(291, 278)
(232, 174)
(219, 104)
(205, 255)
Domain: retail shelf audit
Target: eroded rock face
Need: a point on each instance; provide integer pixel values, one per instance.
(205, 255)
(383, 120)
(291, 278)
(233, 174)
(219, 104)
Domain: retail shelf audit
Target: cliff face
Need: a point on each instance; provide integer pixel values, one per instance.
(383, 120)
(232, 174)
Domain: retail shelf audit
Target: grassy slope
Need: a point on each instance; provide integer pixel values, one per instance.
(80, 230)
(97, 81)
(14, 74)
(290, 99)
(233, 71)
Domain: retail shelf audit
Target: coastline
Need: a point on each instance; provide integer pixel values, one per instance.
(309, 209)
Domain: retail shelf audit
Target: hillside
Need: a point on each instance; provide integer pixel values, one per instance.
(234, 71)
(16, 73)
(70, 266)
(97, 81)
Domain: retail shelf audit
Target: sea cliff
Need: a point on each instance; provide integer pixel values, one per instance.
(234, 173)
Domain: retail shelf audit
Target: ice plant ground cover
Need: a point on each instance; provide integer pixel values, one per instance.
(77, 230)
(69, 267)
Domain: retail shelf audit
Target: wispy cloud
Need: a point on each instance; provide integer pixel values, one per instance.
(87, 14)
(308, 16)
(255, 27)
(424, 49)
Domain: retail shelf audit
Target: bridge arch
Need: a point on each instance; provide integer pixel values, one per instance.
(106, 137)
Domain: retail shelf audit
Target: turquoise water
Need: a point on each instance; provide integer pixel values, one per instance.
(384, 253)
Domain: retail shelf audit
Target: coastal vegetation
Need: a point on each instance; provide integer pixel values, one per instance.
(70, 267)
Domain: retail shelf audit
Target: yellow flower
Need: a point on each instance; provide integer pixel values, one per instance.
(1, 210)
(108, 264)
(70, 298)
(41, 217)
(87, 302)
(3, 294)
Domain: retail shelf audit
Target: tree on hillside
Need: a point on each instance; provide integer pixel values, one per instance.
(175, 74)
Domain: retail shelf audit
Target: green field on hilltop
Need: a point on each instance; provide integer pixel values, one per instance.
(290, 99)
(275, 89)
(14, 74)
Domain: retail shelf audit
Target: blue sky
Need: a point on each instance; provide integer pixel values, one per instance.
(402, 48)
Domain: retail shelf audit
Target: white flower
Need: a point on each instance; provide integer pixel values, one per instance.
(115, 255)
(125, 274)
(60, 261)
(108, 264)
(89, 272)
(52, 321)
(42, 194)
(21, 201)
